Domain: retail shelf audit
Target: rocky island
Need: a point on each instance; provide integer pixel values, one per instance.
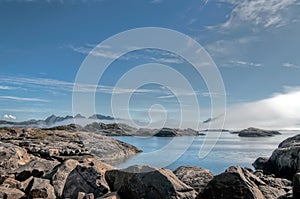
(255, 132)
(63, 162)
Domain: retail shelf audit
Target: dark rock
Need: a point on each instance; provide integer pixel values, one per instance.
(296, 187)
(255, 132)
(11, 193)
(285, 160)
(195, 177)
(239, 183)
(166, 132)
(260, 163)
(101, 117)
(41, 188)
(85, 179)
(146, 182)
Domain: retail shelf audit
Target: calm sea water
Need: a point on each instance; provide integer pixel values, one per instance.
(229, 150)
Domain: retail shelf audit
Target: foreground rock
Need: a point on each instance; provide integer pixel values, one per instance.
(10, 193)
(195, 177)
(146, 182)
(54, 163)
(12, 157)
(60, 145)
(239, 183)
(254, 132)
(285, 160)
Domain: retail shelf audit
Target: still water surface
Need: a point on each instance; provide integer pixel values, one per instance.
(229, 150)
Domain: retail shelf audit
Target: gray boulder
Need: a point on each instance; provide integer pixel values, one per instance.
(195, 177)
(12, 157)
(146, 182)
(285, 160)
(239, 183)
(85, 179)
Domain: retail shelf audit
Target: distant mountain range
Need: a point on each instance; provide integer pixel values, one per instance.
(53, 119)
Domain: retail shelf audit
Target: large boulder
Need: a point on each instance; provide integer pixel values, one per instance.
(285, 160)
(61, 174)
(85, 179)
(146, 182)
(12, 157)
(239, 183)
(195, 177)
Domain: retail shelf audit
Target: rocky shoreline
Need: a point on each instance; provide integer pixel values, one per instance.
(61, 163)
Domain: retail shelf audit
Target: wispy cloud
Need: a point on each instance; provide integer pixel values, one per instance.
(260, 13)
(145, 54)
(65, 86)
(239, 63)
(23, 99)
(290, 65)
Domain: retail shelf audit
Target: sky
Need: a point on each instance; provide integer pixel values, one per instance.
(254, 44)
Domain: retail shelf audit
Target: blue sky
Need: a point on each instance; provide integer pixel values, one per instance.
(255, 45)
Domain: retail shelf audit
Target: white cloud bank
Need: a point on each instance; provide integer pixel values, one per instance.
(9, 117)
(281, 111)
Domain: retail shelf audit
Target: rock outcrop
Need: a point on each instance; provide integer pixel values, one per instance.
(146, 182)
(195, 177)
(255, 132)
(240, 183)
(285, 160)
(54, 163)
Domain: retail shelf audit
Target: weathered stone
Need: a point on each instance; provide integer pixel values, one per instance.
(12, 157)
(36, 168)
(11, 193)
(239, 183)
(146, 182)
(195, 177)
(85, 179)
(61, 175)
(41, 188)
(26, 185)
(10, 183)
